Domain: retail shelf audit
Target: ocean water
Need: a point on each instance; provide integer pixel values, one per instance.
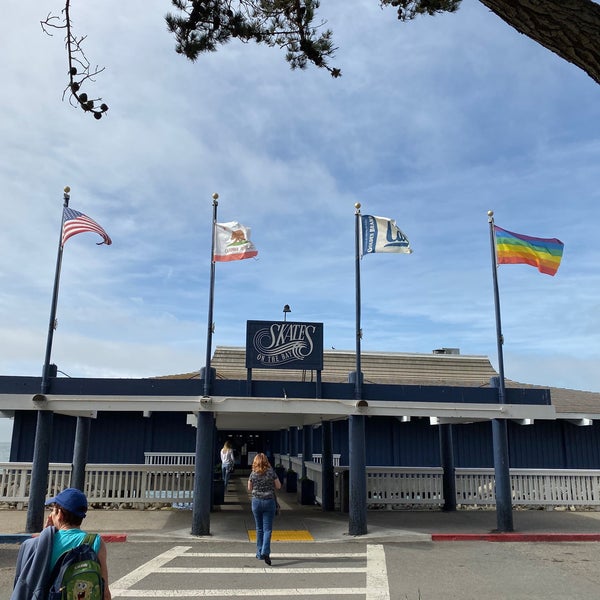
(4, 451)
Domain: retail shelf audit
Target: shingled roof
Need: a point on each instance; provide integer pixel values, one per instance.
(377, 367)
(398, 368)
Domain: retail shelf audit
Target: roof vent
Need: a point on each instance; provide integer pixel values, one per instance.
(447, 351)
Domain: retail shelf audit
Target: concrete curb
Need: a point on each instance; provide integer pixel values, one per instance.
(14, 538)
(114, 537)
(515, 537)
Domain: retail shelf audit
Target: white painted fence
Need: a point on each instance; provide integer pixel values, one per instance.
(138, 485)
(169, 458)
(189, 458)
(387, 487)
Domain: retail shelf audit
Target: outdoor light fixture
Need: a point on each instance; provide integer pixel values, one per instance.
(286, 310)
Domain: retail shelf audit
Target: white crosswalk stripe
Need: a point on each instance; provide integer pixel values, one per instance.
(370, 563)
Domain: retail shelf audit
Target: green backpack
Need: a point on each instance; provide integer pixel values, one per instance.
(77, 574)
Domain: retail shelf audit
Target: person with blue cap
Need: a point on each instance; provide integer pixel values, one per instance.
(38, 555)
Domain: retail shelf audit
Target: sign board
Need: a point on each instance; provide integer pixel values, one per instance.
(284, 345)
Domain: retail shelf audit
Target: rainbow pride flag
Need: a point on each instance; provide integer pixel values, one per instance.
(513, 248)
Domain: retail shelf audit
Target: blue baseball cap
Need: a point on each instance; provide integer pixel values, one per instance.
(71, 499)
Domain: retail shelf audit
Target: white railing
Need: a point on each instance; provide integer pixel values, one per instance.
(169, 458)
(387, 487)
(313, 471)
(137, 485)
(189, 458)
(284, 459)
(318, 458)
(553, 487)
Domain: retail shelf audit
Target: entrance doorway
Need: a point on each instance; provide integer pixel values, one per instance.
(246, 445)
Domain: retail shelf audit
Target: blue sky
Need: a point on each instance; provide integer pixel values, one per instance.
(433, 123)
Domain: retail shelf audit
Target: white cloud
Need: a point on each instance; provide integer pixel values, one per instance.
(433, 123)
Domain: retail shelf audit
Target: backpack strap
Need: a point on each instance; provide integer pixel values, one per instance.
(90, 539)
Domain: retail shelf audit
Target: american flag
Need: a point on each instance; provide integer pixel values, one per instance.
(75, 222)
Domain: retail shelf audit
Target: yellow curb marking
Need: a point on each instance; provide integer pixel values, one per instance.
(285, 535)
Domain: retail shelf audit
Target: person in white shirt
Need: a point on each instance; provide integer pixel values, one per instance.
(227, 461)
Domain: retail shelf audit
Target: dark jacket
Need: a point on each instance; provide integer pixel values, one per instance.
(32, 572)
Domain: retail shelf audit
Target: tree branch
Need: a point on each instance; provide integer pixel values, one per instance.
(80, 70)
(569, 28)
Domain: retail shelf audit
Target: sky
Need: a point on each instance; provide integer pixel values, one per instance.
(433, 123)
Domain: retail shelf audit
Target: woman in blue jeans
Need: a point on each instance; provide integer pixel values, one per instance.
(227, 461)
(263, 482)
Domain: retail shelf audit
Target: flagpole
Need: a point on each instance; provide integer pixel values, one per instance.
(504, 517)
(43, 431)
(52, 323)
(357, 456)
(499, 336)
(358, 382)
(205, 425)
(207, 368)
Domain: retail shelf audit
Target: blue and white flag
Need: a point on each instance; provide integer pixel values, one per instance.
(382, 235)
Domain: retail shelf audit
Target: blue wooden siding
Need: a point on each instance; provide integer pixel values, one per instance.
(582, 446)
(124, 437)
(537, 446)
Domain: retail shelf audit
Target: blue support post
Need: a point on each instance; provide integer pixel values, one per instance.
(80, 452)
(39, 472)
(203, 474)
(447, 461)
(283, 435)
(504, 515)
(358, 476)
(327, 481)
(294, 441)
(307, 452)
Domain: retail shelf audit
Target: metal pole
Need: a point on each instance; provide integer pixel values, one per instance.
(447, 460)
(80, 452)
(43, 431)
(39, 472)
(358, 374)
(307, 444)
(203, 474)
(358, 476)
(356, 423)
(504, 516)
(328, 500)
(211, 326)
(499, 336)
(52, 322)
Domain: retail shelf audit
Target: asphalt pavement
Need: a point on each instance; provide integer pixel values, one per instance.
(313, 554)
